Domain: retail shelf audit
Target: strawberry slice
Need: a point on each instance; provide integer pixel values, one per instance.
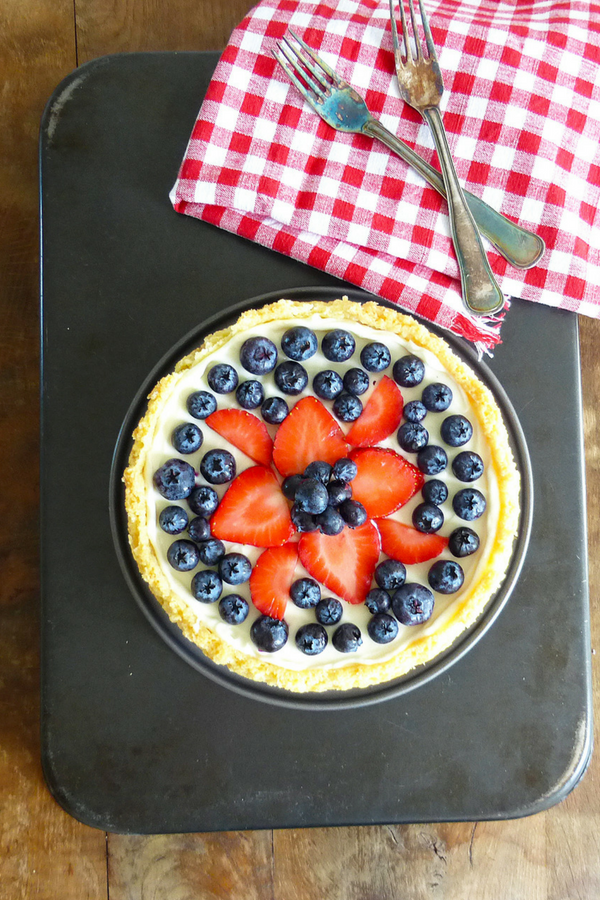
(408, 545)
(385, 480)
(380, 417)
(253, 511)
(309, 433)
(344, 562)
(272, 578)
(245, 432)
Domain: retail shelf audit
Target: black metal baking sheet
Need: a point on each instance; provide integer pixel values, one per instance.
(134, 739)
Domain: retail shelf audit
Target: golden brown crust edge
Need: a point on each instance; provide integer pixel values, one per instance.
(422, 650)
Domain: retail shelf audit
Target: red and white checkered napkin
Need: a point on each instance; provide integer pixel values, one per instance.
(522, 111)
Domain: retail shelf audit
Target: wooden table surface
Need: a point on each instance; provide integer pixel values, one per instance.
(44, 853)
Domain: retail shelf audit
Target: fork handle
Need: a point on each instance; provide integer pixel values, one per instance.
(521, 248)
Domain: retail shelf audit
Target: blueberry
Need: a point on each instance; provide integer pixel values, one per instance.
(173, 519)
(299, 343)
(463, 542)
(338, 345)
(330, 521)
(435, 491)
(427, 518)
(414, 411)
(344, 470)
(437, 397)
(291, 377)
(274, 410)
(311, 639)
(329, 611)
(311, 496)
(218, 466)
(302, 521)
(183, 555)
(375, 357)
(446, 576)
(327, 384)
(408, 371)
(201, 404)
(199, 529)
(412, 604)
(456, 431)
(469, 504)
(467, 466)
(338, 492)
(175, 479)
(320, 470)
(356, 381)
(305, 592)
(353, 513)
(211, 551)
(203, 500)
(377, 601)
(382, 628)
(207, 586)
(187, 438)
(235, 568)
(347, 407)
(290, 485)
(412, 437)
(233, 609)
(269, 634)
(432, 460)
(258, 355)
(222, 378)
(250, 394)
(390, 574)
(347, 638)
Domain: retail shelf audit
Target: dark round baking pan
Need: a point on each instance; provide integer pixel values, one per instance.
(255, 690)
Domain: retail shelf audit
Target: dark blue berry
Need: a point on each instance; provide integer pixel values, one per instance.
(353, 513)
(356, 381)
(375, 357)
(175, 479)
(320, 470)
(274, 410)
(390, 574)
(201, 404)
(412, 437)
(233, 609)
(382, 628)
(414, 411)
(456, 431)
(463, 542)
(432, 460)
(311, 496)
(290, 485)
(207, 586)
(469, 504)
(338, 345)
(377, 601)
(347, 407)
(218, 466)
(338, 492)
(235, 568)
(344, 470)
(428, 518)
(408, 371)
(183, 555)
(327, 384)
(258, 355)
(302, 520)
(211, 551)
(291, 377)
(305, 592)
(435, 491)
(329, 611)
(330, 521)
(187, 438)
(269, 634)
(347, 638)
(446, 576)
(250, 394)
(311, 639)
(467, 466)
(203, 501)
(222, 378)
(173, 519)
(199, 529)
(412, 604)
(436, 397)
(299, 343)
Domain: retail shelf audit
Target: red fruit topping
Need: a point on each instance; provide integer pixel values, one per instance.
(309, 433)
(245, 432)
(408, 545)
(253, 511)
(271, 579)
(385, 481)
(344, 562)
(380, 417)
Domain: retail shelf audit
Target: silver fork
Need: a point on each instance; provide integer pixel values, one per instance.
(421, 86)
(344, 109)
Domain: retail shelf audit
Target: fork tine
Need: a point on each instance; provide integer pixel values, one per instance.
(413, 19)
(307, 63)
(405, 39)
(427, 32)
(320, 62)
(289, 66)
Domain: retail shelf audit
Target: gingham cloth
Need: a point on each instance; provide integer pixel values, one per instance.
(522, 110)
